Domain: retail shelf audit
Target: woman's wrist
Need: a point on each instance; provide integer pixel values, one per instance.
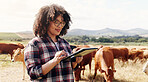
(55, 60)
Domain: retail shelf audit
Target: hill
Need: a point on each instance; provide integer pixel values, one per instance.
(109, 32)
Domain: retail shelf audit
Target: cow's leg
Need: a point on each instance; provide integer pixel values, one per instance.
(11, 56)
(95, 73)
(23, 71)
(90, 68)
(81, 67)
(104, 80)
(83, 70)
(135, 60)
(112, 66)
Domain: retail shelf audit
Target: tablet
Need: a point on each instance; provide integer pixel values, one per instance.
(81, 52)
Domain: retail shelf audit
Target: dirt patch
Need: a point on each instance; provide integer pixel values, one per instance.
(13, 72)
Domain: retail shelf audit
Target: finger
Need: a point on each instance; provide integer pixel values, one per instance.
(62, 57)
(63, 53)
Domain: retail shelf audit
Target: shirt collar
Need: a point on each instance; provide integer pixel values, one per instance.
(57, 37)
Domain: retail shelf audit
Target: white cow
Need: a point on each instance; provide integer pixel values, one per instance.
(145, 68)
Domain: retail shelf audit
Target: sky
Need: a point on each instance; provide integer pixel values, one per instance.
(19, 15)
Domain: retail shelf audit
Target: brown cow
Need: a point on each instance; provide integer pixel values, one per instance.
(7, 48)
(143, 49)
(104, 59)
(135, 54)
(19, 56)
(120, 53)
(83, 46)
(87, 59)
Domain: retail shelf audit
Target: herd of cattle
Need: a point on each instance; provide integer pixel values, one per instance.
(104, 58)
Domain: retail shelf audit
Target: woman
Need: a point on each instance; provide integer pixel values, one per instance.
(44, 53)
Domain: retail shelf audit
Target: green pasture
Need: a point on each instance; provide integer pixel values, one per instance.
(25, 42)
(11, 38)
(8, 36)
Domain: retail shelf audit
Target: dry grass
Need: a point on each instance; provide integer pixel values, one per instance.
(127, 72)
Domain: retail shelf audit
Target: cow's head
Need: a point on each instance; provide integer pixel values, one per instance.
(77, 73)
(140, 54)
(18, 55)
(109, 74)
(20, 45)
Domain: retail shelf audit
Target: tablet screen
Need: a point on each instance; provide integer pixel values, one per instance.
(81, 52)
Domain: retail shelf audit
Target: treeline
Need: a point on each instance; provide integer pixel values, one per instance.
(123, 39)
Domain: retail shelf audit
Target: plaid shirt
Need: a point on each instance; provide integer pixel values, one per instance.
(41, 50)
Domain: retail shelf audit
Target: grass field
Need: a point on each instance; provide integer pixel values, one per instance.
(129, 72)
(9, 36)
(13, 38)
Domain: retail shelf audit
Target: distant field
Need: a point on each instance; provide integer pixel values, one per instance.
(9, 36)
(25, 42)
(24, 37)
(14, 37)
(126, 44)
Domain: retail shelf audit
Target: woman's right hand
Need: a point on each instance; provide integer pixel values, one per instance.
(50, 64)
(59, 56)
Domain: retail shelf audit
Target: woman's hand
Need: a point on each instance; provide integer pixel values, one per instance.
(59, 56)
(51, 63)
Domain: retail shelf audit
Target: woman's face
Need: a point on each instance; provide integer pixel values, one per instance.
(56, 26)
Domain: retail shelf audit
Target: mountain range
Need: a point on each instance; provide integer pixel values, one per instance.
(102, 32)
(109, 32)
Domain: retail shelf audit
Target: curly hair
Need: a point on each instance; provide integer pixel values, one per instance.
(47, 14)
